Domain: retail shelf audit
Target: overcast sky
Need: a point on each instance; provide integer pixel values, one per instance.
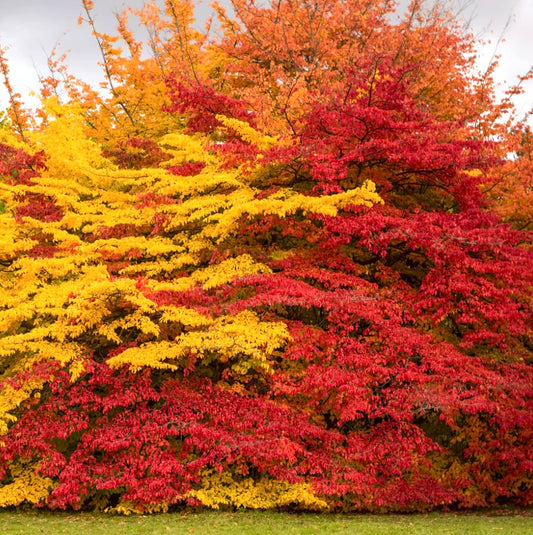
(31, 28)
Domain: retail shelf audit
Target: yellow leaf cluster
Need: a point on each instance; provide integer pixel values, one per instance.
(12, 243)
(224, 272)
(185, 148)
(27, 485)
(127, 508)
(224, 489)
(249, 134)
(243, 340)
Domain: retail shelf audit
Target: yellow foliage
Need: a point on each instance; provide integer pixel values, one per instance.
(224, 489)
(249, 134)
(27, 486)
(185, 148)
(227, 270)
(12, 243)
(68, 149)
(242, 339)
(128, 508)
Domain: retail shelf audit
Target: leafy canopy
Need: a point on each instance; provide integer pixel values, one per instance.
(268, 267)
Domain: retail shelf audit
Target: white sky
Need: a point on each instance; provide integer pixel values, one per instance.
(31, 28)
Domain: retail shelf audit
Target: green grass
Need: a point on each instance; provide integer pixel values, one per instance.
(500, 522)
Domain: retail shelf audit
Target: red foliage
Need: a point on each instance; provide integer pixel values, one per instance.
(202, 104)
(186, 169)
(18, 167)
(38, 207)
(136, 153)
(148, 439)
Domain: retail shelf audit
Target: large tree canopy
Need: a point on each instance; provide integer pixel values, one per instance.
(280, 264)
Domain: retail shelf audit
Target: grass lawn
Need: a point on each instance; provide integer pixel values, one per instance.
(496, 522)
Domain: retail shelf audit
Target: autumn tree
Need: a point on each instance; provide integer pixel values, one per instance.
(265, 271)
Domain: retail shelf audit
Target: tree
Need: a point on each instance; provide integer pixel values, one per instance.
(277, 282)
